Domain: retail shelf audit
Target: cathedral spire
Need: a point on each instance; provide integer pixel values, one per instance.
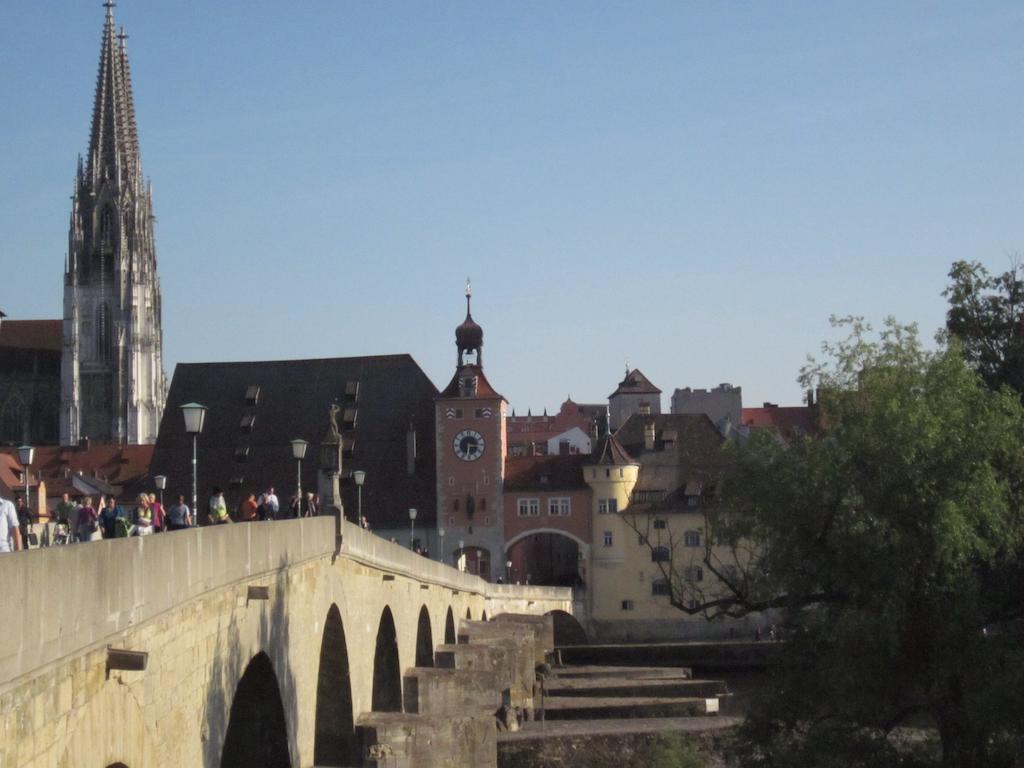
(113, 140)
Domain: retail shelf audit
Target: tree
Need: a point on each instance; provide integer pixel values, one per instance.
(986, 314)
(893, 546)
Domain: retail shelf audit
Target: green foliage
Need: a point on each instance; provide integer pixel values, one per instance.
(674, 751)
(986, 314)
(894, 546)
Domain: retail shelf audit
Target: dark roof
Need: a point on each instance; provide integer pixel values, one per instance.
(635, 383)
(483, 386)
(610, 452)
(378, 396)
(687, 449)
(32, 334)
(540, 473)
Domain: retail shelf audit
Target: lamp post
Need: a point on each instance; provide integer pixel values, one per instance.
(161, 483)
(508, 571)
(458, 554)
(360, 477)
(440, 545)
(25, 454)
(298, 453)
(412, 526)
(195, 415)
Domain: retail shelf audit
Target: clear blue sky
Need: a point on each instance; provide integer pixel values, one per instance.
(693, 187)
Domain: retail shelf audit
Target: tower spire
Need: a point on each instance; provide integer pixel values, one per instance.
(113, 140)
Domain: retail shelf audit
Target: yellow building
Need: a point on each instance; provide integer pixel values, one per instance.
(650, 484)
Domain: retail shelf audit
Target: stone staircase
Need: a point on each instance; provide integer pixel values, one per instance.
(452, 710)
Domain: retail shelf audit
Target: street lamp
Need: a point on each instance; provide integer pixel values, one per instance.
(508, 571)
(298, 453)
(195, 415)
(412, 526)
(458, 554)
(161, 483)
(25, 454)
(360, 477)
(440, 545)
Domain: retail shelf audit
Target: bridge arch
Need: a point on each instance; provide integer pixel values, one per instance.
(424, 640)
(567, 629)
(334, 740)
(387, 673)
(547, 557)
(449, 628)
(257, 735)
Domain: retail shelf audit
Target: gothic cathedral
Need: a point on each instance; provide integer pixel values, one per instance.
(112, 372)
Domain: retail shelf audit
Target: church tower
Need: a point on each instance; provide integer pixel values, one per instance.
(471, 448)
(112, 371)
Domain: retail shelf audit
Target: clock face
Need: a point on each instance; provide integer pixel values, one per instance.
(469, 445)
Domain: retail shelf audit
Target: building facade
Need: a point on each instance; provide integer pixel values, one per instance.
(112, 374)
(30, 354)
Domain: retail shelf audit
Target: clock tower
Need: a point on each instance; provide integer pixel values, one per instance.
(470, 419)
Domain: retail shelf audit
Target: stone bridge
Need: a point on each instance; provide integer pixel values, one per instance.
(285, 644)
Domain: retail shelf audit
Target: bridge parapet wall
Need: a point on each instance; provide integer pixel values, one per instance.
(182, 598)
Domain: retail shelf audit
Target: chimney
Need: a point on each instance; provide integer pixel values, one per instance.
(649, 435)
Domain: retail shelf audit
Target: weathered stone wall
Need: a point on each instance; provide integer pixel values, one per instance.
(182, 598)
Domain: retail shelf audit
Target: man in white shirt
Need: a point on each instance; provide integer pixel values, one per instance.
(10, 533)
(270, 503)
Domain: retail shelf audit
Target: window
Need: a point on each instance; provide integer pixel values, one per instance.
(559, 506)
(349, 418)
(348, 446)
(627, 605)
(661, 555)
(467, 386)
(351, 391)
(607, 506)
(645, 409)
(487, 520)
(248, 422)
(694, 573)
(483, 504)
(693, 604)
(607, 538)
(661, 588)
(483, 413)
(529, 507)
(252, 395)
(236, 482)
(659, 525)
(242, 453)
(104, 333)
(455, 505)
(691, 538)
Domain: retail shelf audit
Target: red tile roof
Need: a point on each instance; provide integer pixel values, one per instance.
(636, 383)
(790, 421)
(539, 473)
(483, 386)
(32, 334)
(114, 464)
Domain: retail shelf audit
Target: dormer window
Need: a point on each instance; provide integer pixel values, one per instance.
(252, 395)
(467, 386)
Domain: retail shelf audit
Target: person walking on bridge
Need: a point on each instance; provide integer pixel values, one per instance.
(10, 533)
(178, 516)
